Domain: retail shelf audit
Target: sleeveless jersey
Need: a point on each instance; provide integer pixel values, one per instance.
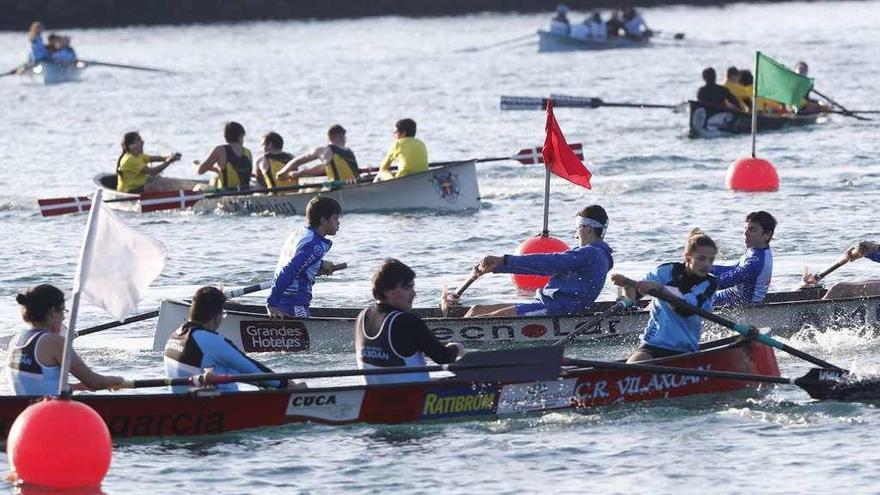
(377, 351)
(343, 165)
(277, 161)
(237, 172)
(24, 371)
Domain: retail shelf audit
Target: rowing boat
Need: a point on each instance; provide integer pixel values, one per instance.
(330, 329)
(451, 187)
(711, 122)
(204, 412)
(52, 73)
(554, 42)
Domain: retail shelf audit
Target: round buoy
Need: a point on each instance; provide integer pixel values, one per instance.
(59, 443)
(537, 244)
(752, 175)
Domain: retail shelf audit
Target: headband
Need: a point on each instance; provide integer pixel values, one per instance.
(589, 222)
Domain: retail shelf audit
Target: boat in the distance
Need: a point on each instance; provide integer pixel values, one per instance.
(54, 73)
(555, 42)
(710, 122)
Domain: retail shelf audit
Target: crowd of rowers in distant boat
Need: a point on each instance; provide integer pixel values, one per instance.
(387, 334)
(626, 23)
(235, 169)
(736, 93)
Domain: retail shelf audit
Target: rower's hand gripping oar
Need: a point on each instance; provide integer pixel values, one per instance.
(740, 328)
(621, 304)
(810, 280)
(448, 300)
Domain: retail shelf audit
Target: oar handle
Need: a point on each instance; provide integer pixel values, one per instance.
(818, 277)
(740, 328)
(473, 278)
(621, 304)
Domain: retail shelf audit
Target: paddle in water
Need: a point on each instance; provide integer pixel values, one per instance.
(123, 66)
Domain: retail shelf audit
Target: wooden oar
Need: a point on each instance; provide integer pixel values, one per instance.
(531, 364)
(561, 101)
(124, 66)
(843, 109)
(17, 70)
(825, 273)
(620, 305)
(444, 296)
(740, 328)
(819, 383)
(497, 44)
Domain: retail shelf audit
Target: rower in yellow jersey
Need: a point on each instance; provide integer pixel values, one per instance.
(231, 162)
(335, 160)
(273, 160)
(410, 153)
(133, 170)
(734, 85)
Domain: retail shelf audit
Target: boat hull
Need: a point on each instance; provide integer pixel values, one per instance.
(552, 42)
(52, 73)
(330, 329)
(448, 188)
(710, 122)
(211, 412)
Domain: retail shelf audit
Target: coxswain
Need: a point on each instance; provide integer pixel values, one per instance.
(38, 52)
(809, 105)
(268, 166)
(559, 24)
(133, 171)
(302, 259)
(33, 360)
(388, 335)
(747, 281)
(713, 95)
(867, 288)
(576, 276)
(634, 25)
(335, 161)
(232, 162)
(196, 348)
(742, 93)
(670, 330)
(410, 153)
(62, 53)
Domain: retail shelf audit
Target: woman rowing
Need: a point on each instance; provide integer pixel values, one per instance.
(232, 162)
(867, 288)
(671, 330)
(133, 171)
(33, 361)
(576, 276)
(387, 335)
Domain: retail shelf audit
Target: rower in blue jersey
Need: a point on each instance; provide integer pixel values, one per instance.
(39, 52)
(33, 360)
(865, 288)
(196, 348)
(747, 281)
(671, 330)
(576, 276)
(388, 335)
(302, 259)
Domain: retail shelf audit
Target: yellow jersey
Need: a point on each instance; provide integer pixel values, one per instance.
(742, 93)
(277, 161)
(411, 155)
(236, 174)
(342, 166)
(131, 174)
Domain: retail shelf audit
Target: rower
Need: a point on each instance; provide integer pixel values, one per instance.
(732, 83)
(196, 348)
(614, 25)
(334, 160)
(809, 105)
(231, 161)
(388, 335)
(596, 26)
(672, 331)
(38, 52)
(559, 24)
(33, 361)
(747, 281)
(634, 25)
(410, 153)
(273, 161)
(302, 259)
(60, 49)
(713, 95)
(133, 171)
(867, 288)
(576, 276)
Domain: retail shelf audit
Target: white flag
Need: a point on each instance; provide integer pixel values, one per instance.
(118, 263)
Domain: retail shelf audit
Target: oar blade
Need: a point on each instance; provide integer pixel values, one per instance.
(523, 103)
(531, 156)
(61, 206)
(513, 365)
(169, 200)
(825, 384)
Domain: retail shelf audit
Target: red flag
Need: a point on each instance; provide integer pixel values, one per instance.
(559, 158)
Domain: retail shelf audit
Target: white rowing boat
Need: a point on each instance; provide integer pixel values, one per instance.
(330, 329)
(451, 187)
(554, 42)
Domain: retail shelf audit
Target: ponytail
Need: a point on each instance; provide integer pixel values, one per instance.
(37, 302)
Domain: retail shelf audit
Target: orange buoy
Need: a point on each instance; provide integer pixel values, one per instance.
(59, 443)
(752, 175)
(532, 245)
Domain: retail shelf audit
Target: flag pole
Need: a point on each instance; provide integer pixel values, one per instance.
(546, 231)
(85, 259)
(755, 103)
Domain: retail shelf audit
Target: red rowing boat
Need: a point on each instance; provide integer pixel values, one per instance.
(209, 412)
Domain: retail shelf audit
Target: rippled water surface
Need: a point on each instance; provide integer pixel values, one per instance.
(297, 78)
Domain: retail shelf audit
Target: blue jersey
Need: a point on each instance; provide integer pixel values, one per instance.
(64, 56)
(39, 52)
(192, 349)
(576, 276)
(747, 281)
(678, 329)
(875, 256)
(297, 267)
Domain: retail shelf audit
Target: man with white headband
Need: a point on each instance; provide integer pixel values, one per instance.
(576, 276)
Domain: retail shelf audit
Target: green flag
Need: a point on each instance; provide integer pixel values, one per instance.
(775, 82)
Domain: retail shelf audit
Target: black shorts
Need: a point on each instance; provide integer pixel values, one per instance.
(658, 352)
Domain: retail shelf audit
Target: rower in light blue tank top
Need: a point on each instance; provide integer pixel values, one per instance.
(24, 371)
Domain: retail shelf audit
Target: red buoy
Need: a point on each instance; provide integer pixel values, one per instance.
(59, 443)
(537, 244)
(752, 175)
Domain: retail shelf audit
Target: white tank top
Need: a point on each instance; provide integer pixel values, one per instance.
(378, 352)
(24, 371)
